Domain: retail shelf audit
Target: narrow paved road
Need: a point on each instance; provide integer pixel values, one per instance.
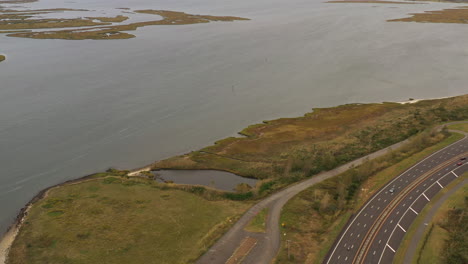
(268, 243)
(375, 232)
(418, 236)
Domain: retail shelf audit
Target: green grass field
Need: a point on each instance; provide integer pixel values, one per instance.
(116, 220)
(462, 127)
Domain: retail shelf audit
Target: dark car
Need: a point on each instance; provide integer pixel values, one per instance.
(463, 159)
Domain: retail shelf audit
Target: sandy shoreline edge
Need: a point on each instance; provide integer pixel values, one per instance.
(7, 239)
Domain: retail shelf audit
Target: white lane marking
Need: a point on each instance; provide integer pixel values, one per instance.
(413, 210)
(365, 225)
(426, 197)
(339, 256)
(374, 253)
(391, 235)
(401, 228)
(346, 259)
(391, 248)
(455, 174)
(358, 235)
(380, 241)
(440, 184)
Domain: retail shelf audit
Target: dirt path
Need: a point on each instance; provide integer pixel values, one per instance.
(269, 243)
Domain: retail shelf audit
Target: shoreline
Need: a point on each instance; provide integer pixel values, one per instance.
(7, 238)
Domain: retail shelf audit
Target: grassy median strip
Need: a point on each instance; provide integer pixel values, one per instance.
(119, 220)
(315, 217)
(431, 248)
(258, 223)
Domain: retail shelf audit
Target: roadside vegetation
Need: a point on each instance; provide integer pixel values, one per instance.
(455, 250)
(115, 219)
(461, 127)
(314, 218)
(445, 241)
(287, 150)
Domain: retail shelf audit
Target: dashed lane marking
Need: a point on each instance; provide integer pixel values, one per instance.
(401, 228)
(426, 197)
(391, 248)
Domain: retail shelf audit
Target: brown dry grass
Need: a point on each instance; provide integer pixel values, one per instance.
(371, 2)
(459, 16)
(115, 19)
(47, 23)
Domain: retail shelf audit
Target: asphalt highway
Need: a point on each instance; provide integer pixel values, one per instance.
(373, 235)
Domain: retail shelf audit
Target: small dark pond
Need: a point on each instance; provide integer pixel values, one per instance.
(221, 180)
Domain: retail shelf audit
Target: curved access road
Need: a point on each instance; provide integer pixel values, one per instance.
(238, 245)
(373, 235)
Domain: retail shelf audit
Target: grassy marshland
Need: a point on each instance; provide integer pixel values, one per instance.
(113, 219)
(458, 15)
(115, 31)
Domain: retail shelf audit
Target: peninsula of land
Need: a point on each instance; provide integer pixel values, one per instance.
(74, 220)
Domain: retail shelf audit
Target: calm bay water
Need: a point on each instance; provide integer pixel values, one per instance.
(71, 108)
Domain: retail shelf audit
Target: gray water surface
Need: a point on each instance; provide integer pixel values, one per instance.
(71, 108)
(215, 179)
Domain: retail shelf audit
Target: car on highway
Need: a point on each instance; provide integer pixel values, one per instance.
(459, 163)
(392, 190)
(464, 158)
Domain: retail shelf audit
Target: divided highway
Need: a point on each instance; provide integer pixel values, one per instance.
(373, 235)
